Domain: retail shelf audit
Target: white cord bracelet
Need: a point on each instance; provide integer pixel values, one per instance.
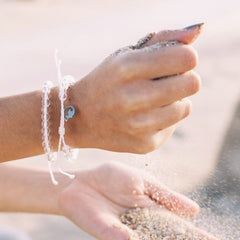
(68, 153)
(64, 83)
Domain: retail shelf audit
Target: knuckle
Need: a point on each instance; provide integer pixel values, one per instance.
(126, 104)
(128, 100)
(120, 101)
(124, 68)
(188, 108)
(123, 101)
(133, 127)
(195, 82)
(147, 144)
(176, 113)
(141, 150)
(140, 123)
(151, 145)
(185, 108)
(179, 111)
(190, 57)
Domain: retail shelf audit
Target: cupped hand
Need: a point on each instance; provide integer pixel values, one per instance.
(119, 107)
(96, 198)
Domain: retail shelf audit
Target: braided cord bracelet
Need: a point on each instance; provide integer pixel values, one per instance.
(64, 83)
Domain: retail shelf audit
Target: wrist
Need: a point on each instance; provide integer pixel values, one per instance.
(77, 134)
(68, 191)
(55, 112)
(56, 191)
(30, 191)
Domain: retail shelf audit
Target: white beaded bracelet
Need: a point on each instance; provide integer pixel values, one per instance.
(64, 84)
(45, 128)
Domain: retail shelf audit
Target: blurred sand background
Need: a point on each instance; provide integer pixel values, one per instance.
(85, 32)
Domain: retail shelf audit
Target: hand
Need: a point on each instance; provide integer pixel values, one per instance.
(120, 108)
(96, 198)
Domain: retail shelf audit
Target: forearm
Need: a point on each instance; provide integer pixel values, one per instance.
(118, 106)
(20, 125)
(29, 191)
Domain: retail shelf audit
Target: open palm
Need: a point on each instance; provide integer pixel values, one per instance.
(96, 198)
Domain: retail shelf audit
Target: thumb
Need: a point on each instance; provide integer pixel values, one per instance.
(187, 36)
(117, 231)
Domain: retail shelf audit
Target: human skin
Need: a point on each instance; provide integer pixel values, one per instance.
(119, 108)
(118, 105)
(94, 200)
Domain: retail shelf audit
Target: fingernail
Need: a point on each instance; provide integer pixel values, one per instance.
(194, 26)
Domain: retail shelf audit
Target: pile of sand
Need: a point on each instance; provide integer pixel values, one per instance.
(152, 224)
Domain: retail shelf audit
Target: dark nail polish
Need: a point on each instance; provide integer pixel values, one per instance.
(194, 26)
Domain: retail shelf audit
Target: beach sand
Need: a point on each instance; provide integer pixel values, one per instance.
(85, 32)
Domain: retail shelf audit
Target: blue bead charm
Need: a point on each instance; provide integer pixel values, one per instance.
(70, 112)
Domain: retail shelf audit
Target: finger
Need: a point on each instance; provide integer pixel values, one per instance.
(174, 202)
(154, 94)
(154, 62)
(160, 118)
(114, 229)
(187, 35)
(103, 225)
(151, 142)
